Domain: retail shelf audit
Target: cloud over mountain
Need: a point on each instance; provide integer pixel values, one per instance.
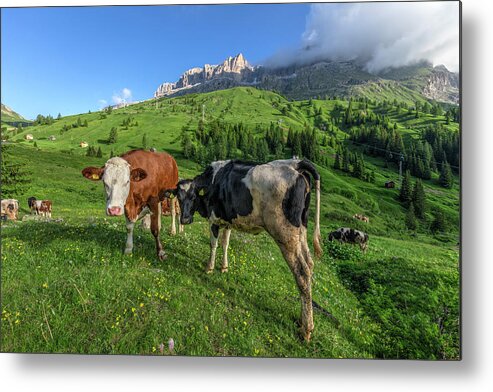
(382, 35)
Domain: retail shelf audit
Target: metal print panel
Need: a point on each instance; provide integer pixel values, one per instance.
(261, 180)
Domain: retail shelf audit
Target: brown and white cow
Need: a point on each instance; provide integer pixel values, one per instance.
(249, 197)
(44, 208)
(132, 183)
(362, 218)
(171, 207)
(10, 208)
(40, 207)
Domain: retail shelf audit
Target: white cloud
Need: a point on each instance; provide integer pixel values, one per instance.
(102, 103)
(125, 95)
(380, 34)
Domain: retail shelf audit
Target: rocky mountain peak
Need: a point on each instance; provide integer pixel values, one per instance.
(233, 68)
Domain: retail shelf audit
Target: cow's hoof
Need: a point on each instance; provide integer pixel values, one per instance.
(209, 271)
(161, 255)
(172, 233)
(127, 251)
(307, 335)
(224, 270)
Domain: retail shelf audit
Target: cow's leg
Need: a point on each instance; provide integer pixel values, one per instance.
(303, 279)
(130, 236)
(146, 222)
(177, 212)
(214, 229)
(225, 245)
(173, 215)
(156, 226)
(293, 244)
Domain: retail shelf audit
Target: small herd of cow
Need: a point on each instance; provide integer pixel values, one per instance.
(40, 207)
(230, 194)
(10, 208)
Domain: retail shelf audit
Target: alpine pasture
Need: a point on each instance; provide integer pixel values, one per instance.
(68, 288)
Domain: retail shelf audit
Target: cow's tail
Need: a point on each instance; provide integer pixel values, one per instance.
(306, 166)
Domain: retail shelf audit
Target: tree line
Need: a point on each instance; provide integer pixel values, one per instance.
(217, 140)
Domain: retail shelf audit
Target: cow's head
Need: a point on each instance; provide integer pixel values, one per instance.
(116, 175)
(189, 196)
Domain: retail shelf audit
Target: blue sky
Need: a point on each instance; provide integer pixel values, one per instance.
(67, 59)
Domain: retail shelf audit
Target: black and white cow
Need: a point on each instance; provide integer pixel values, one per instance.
(350, 236)
(253, 197)
(32, 205)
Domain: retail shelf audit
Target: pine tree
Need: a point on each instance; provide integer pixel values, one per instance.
(15, 177)
(262, 150)
(99, 154)
(419, 199)
(186, 144)
(446, 179)
(439, 224)
(410, 219)
(112, 154)
(290, 138)
(337, 161)
(345, 161)
(297, 144)
(144, 141)
(405, 195)
(348, 116)
(113, 136)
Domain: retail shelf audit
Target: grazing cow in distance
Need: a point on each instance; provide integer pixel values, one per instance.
(132, 183)
(32, 205)
(40, 207)
(350, 236)
(10, 209)
(44, 208)
(169, 207)
(253, 197)
(362, 218)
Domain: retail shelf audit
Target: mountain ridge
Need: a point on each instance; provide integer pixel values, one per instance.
(332, 78)
(7, 114)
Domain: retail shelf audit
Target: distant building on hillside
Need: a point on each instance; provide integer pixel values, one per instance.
(52, 138)
(83, 144)
(390, 184)
(29, 136)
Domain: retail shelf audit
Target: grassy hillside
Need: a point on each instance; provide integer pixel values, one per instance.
(8, 114)
(387, 89)
(66, 287)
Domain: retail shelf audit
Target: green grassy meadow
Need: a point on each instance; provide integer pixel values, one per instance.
(67, 287)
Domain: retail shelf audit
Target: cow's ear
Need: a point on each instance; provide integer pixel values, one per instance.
(167, 194)
(138, 174)
(93, 173)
